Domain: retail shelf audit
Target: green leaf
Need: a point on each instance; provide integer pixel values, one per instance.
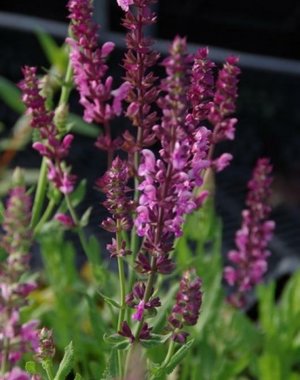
(79, 193)
(112, 368)
(85, 217)
(110, 301)
(155, 340)
(267, 312)
(183, 252)
(119, 342)
(66, 364)
(269, 367)
(31, 367)
(55, 54)
(178, 356)
(78, 377)
(11, 95)
(97, 322)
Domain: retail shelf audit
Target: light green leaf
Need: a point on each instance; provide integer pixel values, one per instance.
(155, 340)
(55, 54)
(110, 301)
(178, 356)
(31, 367)
(111, 372)
(11, 95)
(269, 367)
(85, 217)
(66, 364)
(267, 312)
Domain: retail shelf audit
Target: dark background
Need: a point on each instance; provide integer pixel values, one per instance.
(268, 107)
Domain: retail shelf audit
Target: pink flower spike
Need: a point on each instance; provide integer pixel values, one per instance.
(124, 4)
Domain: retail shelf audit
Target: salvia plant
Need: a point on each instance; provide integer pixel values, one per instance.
(153, 305)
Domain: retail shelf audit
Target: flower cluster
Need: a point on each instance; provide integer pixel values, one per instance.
(138, 62)
(101, 103)
(51, 147)
(114, 185)
(168, 184)
(144, 334)
(167, 188)
(16, 338)
(249, 259)
(187, 308)
(224, 103)
(135, 300)
(201, 91)
(46, 348)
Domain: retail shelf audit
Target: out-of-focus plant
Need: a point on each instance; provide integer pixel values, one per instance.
(163, 313)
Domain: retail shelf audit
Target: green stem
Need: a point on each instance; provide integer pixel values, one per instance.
(66, 87)
(47, 365)
(149, 286)
(5, 356)
(39, 194)
(75, 218)
(169, 353)
(133, 237)
(48, 212)
(168, 357)
(122, 292)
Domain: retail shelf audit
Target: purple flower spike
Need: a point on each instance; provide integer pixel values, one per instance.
(51, 147)
(101, 103)
(118, 203)
(20, 337)
(187, 308)
(249, 259)
(224, 103)
(201, 90)
(138, 63)
(114, 185)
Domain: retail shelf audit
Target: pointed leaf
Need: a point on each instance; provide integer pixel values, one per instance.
(11, 95)
(31, 367)
(110, 301)
(178, 356)
(66, 364)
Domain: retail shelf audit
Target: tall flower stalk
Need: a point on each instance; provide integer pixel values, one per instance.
(101, 103)
(249, 259)
(120, 206)
(16, 337)
(138, 63)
